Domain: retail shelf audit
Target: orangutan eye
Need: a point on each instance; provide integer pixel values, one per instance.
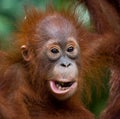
(54, 50)
(70, 49)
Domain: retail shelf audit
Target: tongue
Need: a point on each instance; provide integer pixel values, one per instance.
(56, 90)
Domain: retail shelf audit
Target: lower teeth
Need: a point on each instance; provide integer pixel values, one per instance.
(60, 87)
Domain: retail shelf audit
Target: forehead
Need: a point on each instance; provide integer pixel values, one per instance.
(56, 27)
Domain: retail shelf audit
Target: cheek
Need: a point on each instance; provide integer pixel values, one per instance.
(43, 61)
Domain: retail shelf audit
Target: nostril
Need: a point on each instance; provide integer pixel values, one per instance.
(68, 64)
(65, 65)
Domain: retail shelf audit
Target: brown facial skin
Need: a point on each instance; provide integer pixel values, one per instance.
(64, 76)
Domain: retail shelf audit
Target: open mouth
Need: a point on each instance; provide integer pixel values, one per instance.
(58, 87)
(63, 85)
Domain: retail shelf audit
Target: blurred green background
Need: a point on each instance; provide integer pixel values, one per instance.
(11, 11)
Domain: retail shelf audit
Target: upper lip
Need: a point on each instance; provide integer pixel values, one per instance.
(64, 80)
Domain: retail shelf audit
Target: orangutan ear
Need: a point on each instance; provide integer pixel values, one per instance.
(26, 53)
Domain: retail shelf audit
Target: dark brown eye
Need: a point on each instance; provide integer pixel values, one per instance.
(70, 49)
(55, 50)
